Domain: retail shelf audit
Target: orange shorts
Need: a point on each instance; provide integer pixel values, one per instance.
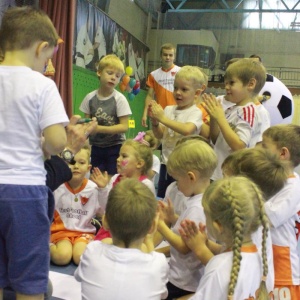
(289, 292)
(72, 236)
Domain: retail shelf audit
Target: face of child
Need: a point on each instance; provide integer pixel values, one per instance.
(167, 58)
(127, 163)
(269, 145)
(183, 183)
(82, 166)
(184, 93)
(236, 92)
(109, 77)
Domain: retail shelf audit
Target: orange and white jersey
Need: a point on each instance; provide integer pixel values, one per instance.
(162, 81)
(75, 209)
(282, 210)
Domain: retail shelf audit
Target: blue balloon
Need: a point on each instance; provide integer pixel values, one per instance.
(136, 91)
(131, 96)
(132, 82)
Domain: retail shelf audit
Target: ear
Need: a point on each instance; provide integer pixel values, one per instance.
(191, 175)
(104, 223)
(285, 153)
(89, 167)
(41, 47)
(99, 73)
(218, 227)
(140, 164)
(252, 83)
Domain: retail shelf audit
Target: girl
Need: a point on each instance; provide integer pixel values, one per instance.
(134, 161)
(231, 218)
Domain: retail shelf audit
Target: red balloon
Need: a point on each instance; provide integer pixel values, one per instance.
(137, 85)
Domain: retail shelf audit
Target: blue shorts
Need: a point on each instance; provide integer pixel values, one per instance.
(24, 238)
(106, 158)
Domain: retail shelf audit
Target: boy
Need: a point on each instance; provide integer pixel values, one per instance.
(178, 120)
(191, 164)
(31, 107)
(161, 80)
(240, 126)
(121, 270)
(76, 203)
(111, 109)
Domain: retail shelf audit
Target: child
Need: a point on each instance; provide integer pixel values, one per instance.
(134, 161)
(76, 203)
(283, 211)
(151, 141)
(240, 126)
(122, 270)
(112, 110)
(30, 107)
(191, 164)
(231, 218)
(178, 120)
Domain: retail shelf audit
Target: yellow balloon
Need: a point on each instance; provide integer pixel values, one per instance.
(128, 70)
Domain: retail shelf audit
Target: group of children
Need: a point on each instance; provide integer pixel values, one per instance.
(231, 196)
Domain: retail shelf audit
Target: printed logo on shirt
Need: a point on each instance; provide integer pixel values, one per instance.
(84, 200)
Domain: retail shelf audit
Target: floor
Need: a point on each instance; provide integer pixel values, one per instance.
(65, 287)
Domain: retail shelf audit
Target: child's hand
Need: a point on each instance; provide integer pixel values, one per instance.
(192, 235)
(213, 107)
(167, 212)
(155, 111)
(101, 179)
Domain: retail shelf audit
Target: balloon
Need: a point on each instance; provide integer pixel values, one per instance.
(122, 86)
(128, 70)
(128, 89)
(137, 85)
(135, 91)
(131, 96)
(132, 82)
(126, 79)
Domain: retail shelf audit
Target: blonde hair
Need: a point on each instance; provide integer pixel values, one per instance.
(142, 152)
(193, 155)
(286, 135)
(167, 46)
(21, 27)
(193, 74)
(262, 167)
(130, 210)
(111, 60)
(225, 201)
(191, 137)
(245, 69)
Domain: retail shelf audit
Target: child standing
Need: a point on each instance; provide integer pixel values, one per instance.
(240, 126)
(134, 161)
(283, 211)
(231, 218)
(76, 203)
(112, 110)
(191, 164)
(31, 107)
(122, 270)
(178, 120)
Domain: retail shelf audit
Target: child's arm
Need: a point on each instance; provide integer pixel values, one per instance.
(101, 179)
(122, 127)
(217, 115)
(158, 114)
(55, 139)
(149, 97)
(196, 239)
(167, 211)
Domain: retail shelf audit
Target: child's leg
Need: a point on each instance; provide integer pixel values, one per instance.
(61, 252)
(80, 245)
(164, 181)
(1, 294)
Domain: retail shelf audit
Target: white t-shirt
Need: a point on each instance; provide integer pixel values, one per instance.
(30, 102)
(214, 283)
(186, 269)
(190, 115)
(109, 272)
(283, 212)
(177, 198)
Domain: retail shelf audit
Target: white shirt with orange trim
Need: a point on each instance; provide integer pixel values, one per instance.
(74, 210)
(282, 211)
(162, 82)
(247, 123)
(215, 281)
